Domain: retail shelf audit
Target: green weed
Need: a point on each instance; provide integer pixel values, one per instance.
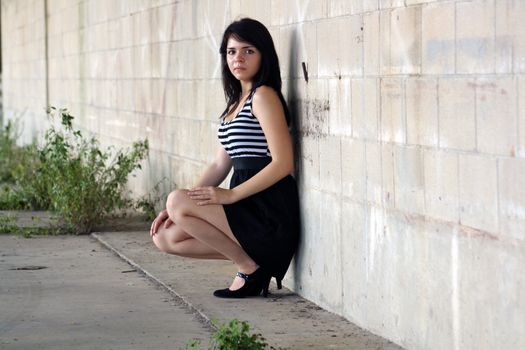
(71, 175)
(234, 335)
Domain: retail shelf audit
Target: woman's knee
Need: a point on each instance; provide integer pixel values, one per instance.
(177, 203)
(160, 243)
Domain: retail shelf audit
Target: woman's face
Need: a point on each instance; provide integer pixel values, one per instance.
(244, 60)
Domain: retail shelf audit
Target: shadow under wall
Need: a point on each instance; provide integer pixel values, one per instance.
(294, 103)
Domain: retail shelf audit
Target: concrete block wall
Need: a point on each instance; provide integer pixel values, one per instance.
(24, 65)
(410, 147)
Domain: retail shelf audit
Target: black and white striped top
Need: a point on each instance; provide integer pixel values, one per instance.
(243, 135)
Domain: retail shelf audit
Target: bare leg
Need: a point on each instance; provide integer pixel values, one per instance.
(208, 224)
(175, 241)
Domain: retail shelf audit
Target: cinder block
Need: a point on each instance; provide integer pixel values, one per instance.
(422, 111)
(496, 116)
(393, 119)
(126, 32)
(143, 96)
(416, 2)
(215, 100)
(351, 45)
(441, 184)
(309, 164)
(315, 109)
(353, 260)
(330, 164)
(405, 40)
(511, 184)
(353, 169)
(409, 177)
(386, 4)
(385, 41)
(374, 189)
(186, 99)
(388, 175)
(158, 88)
(505, 26)
(125, 58)
(438, 38)
(308, 37)
(277, 8)
(328, 45)
(381, 263)
(328, 269)
(371, 41)
(518, 11)
(288, 53)
(256, 9)
(169, 101)
(200, 94)
(495, 268)
(340, 117)
(308, 275)
(457, 125)
(475, 39)
(521, 117)
(340, 8)
(478, 197)
(365, 108)
(159, 60)
(183, 25)
(370, 5)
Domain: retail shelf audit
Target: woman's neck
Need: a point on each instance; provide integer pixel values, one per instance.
(246, 87)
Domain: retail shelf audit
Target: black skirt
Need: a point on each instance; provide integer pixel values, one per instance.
(266, 224)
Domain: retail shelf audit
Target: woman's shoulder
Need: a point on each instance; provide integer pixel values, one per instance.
(265, 93)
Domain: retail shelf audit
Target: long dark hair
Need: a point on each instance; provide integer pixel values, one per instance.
(255, 33)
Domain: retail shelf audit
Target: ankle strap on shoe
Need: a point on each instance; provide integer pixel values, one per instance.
(244, 276)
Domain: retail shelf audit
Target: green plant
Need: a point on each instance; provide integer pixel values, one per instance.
(192, 345)
(8, 225)
(234, 336)
(147, 203)
(14, 160)
(77, 179)
(71, 175)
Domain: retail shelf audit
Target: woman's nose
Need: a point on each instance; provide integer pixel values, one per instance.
(239, 56)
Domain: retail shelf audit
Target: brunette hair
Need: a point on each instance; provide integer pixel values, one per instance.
(255, 33)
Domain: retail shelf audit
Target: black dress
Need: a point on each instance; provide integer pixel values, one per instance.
(266, 224)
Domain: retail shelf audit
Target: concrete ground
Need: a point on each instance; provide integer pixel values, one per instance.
(69, 292)
(88, 298)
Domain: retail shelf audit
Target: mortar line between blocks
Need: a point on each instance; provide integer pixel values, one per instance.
(201, 316)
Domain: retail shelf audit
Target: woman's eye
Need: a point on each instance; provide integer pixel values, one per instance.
(248, 51)
(230, 52)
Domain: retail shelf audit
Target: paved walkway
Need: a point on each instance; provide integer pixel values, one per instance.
(68, 292)
(88, 298)
(284, 318)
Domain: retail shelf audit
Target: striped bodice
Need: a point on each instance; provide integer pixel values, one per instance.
(243, 135)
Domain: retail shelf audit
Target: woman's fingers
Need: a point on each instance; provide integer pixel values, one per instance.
(210, 195)
(167, 223)
(163, 215)
(201, 193)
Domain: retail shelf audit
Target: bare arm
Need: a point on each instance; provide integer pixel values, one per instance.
(212, 176)
(217, 171)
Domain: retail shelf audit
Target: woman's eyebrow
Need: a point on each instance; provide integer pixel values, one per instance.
(244, 47)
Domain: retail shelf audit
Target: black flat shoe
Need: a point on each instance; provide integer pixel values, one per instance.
(254, 284)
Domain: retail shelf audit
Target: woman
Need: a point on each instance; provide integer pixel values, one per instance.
(255, 223)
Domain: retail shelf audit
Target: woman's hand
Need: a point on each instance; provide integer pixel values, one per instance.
(211, 195)
(162, 218)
